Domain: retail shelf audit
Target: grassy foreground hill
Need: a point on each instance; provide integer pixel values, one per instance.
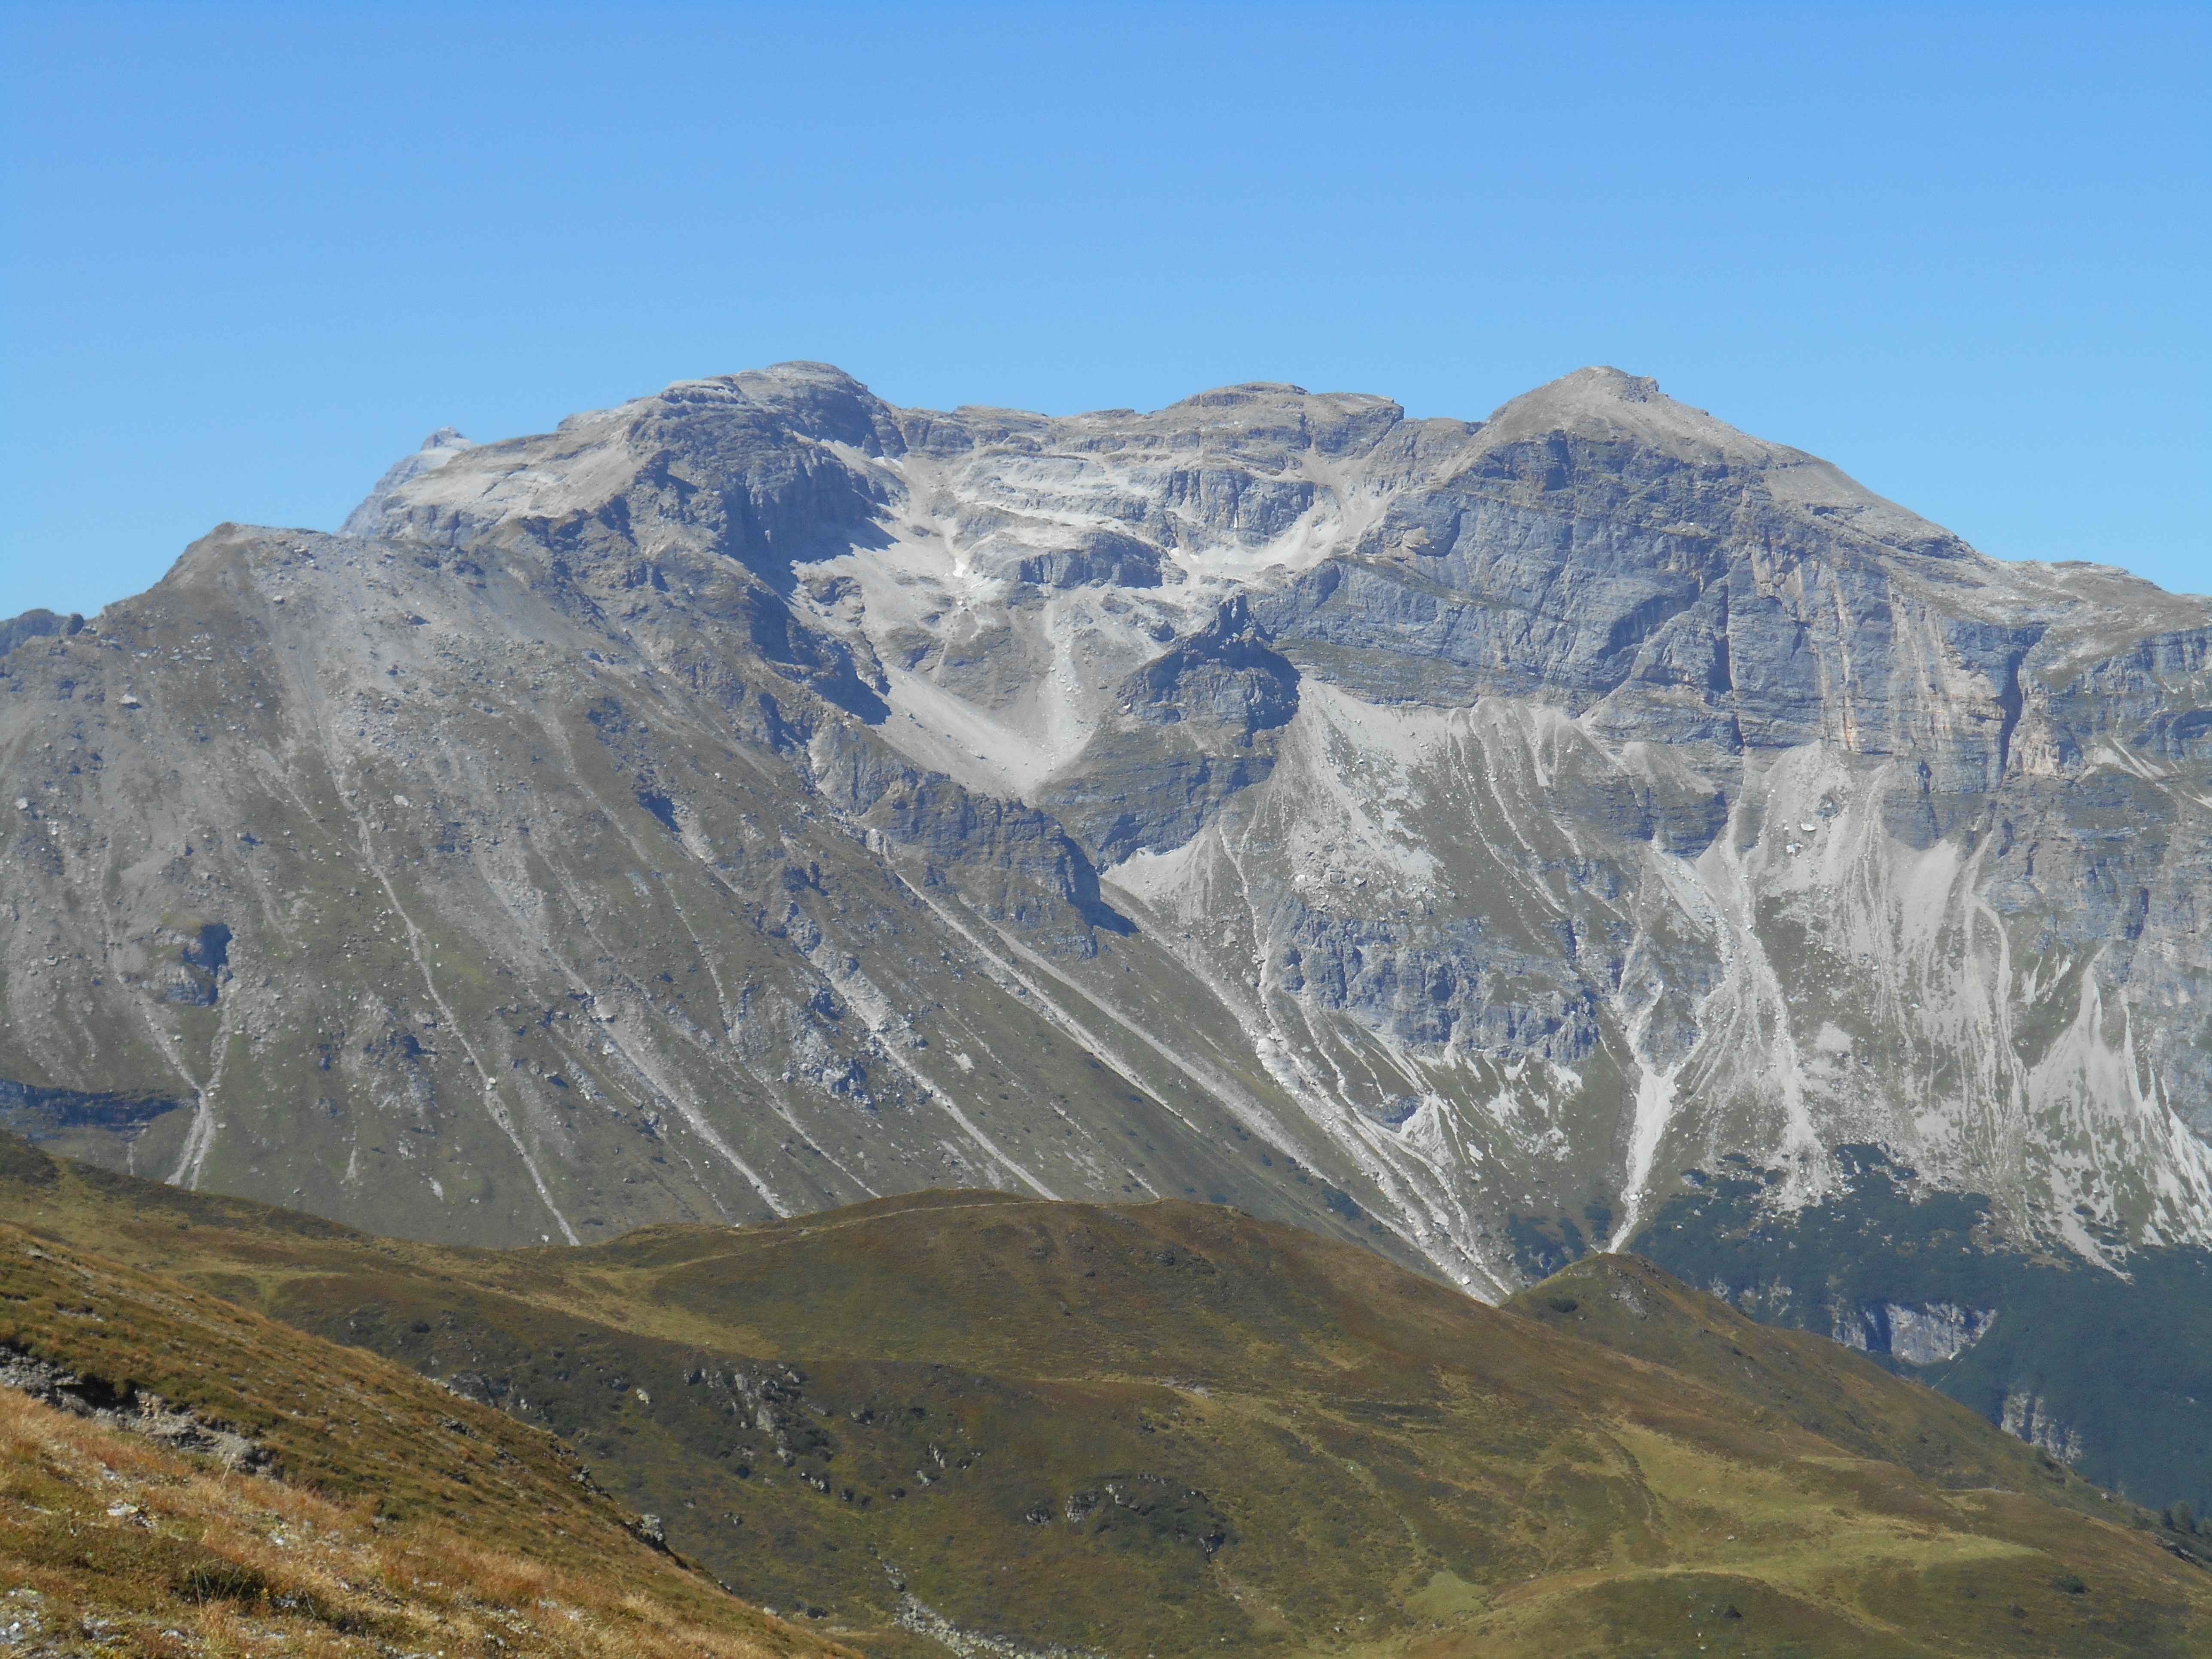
(1009, 1426)
(180, 1476)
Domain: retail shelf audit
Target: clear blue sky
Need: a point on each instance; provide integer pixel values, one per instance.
(252, 254)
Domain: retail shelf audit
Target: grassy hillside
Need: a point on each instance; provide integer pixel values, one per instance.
(110, 1544)
(1171, 1429)
(359, 1509)
(1634, 1307)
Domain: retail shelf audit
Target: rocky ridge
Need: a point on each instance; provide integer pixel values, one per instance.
(756, 797)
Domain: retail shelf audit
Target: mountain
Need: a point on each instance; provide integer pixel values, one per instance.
(1483, 840)
(1005, 1426)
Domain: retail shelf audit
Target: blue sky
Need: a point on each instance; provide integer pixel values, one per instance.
(249, 255)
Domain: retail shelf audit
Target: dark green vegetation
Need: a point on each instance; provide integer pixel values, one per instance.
(1171, 1428)
(2112, 1371)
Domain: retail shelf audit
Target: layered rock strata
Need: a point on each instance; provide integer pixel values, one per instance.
(758, 796)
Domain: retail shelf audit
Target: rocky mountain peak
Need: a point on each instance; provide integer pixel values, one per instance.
(1604, 404)
(1491, 823)
(436, 450)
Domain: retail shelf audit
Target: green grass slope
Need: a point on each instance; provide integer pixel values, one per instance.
(1171, 1428)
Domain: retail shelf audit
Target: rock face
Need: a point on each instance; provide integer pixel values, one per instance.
(437, 449)
(131, 1411)
(758, 796)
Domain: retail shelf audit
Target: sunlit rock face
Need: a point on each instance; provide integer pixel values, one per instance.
(756, 796)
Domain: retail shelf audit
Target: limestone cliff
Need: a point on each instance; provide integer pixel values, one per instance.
(758, 796)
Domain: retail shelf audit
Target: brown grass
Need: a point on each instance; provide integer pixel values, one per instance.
(107, 1541)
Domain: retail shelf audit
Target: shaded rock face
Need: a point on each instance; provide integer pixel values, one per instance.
(195, 959)
(758, 796)
(1919, 1336)
(37, 625)
(2024, 1418)
(1193, 726)
(73, 1121)
(125, 1407)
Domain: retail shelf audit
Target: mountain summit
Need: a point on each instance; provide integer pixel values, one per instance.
(1455, 834)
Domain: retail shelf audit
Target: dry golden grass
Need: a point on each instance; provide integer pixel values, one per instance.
(110, 1544)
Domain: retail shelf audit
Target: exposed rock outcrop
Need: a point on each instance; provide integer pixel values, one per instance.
(133, 1410)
